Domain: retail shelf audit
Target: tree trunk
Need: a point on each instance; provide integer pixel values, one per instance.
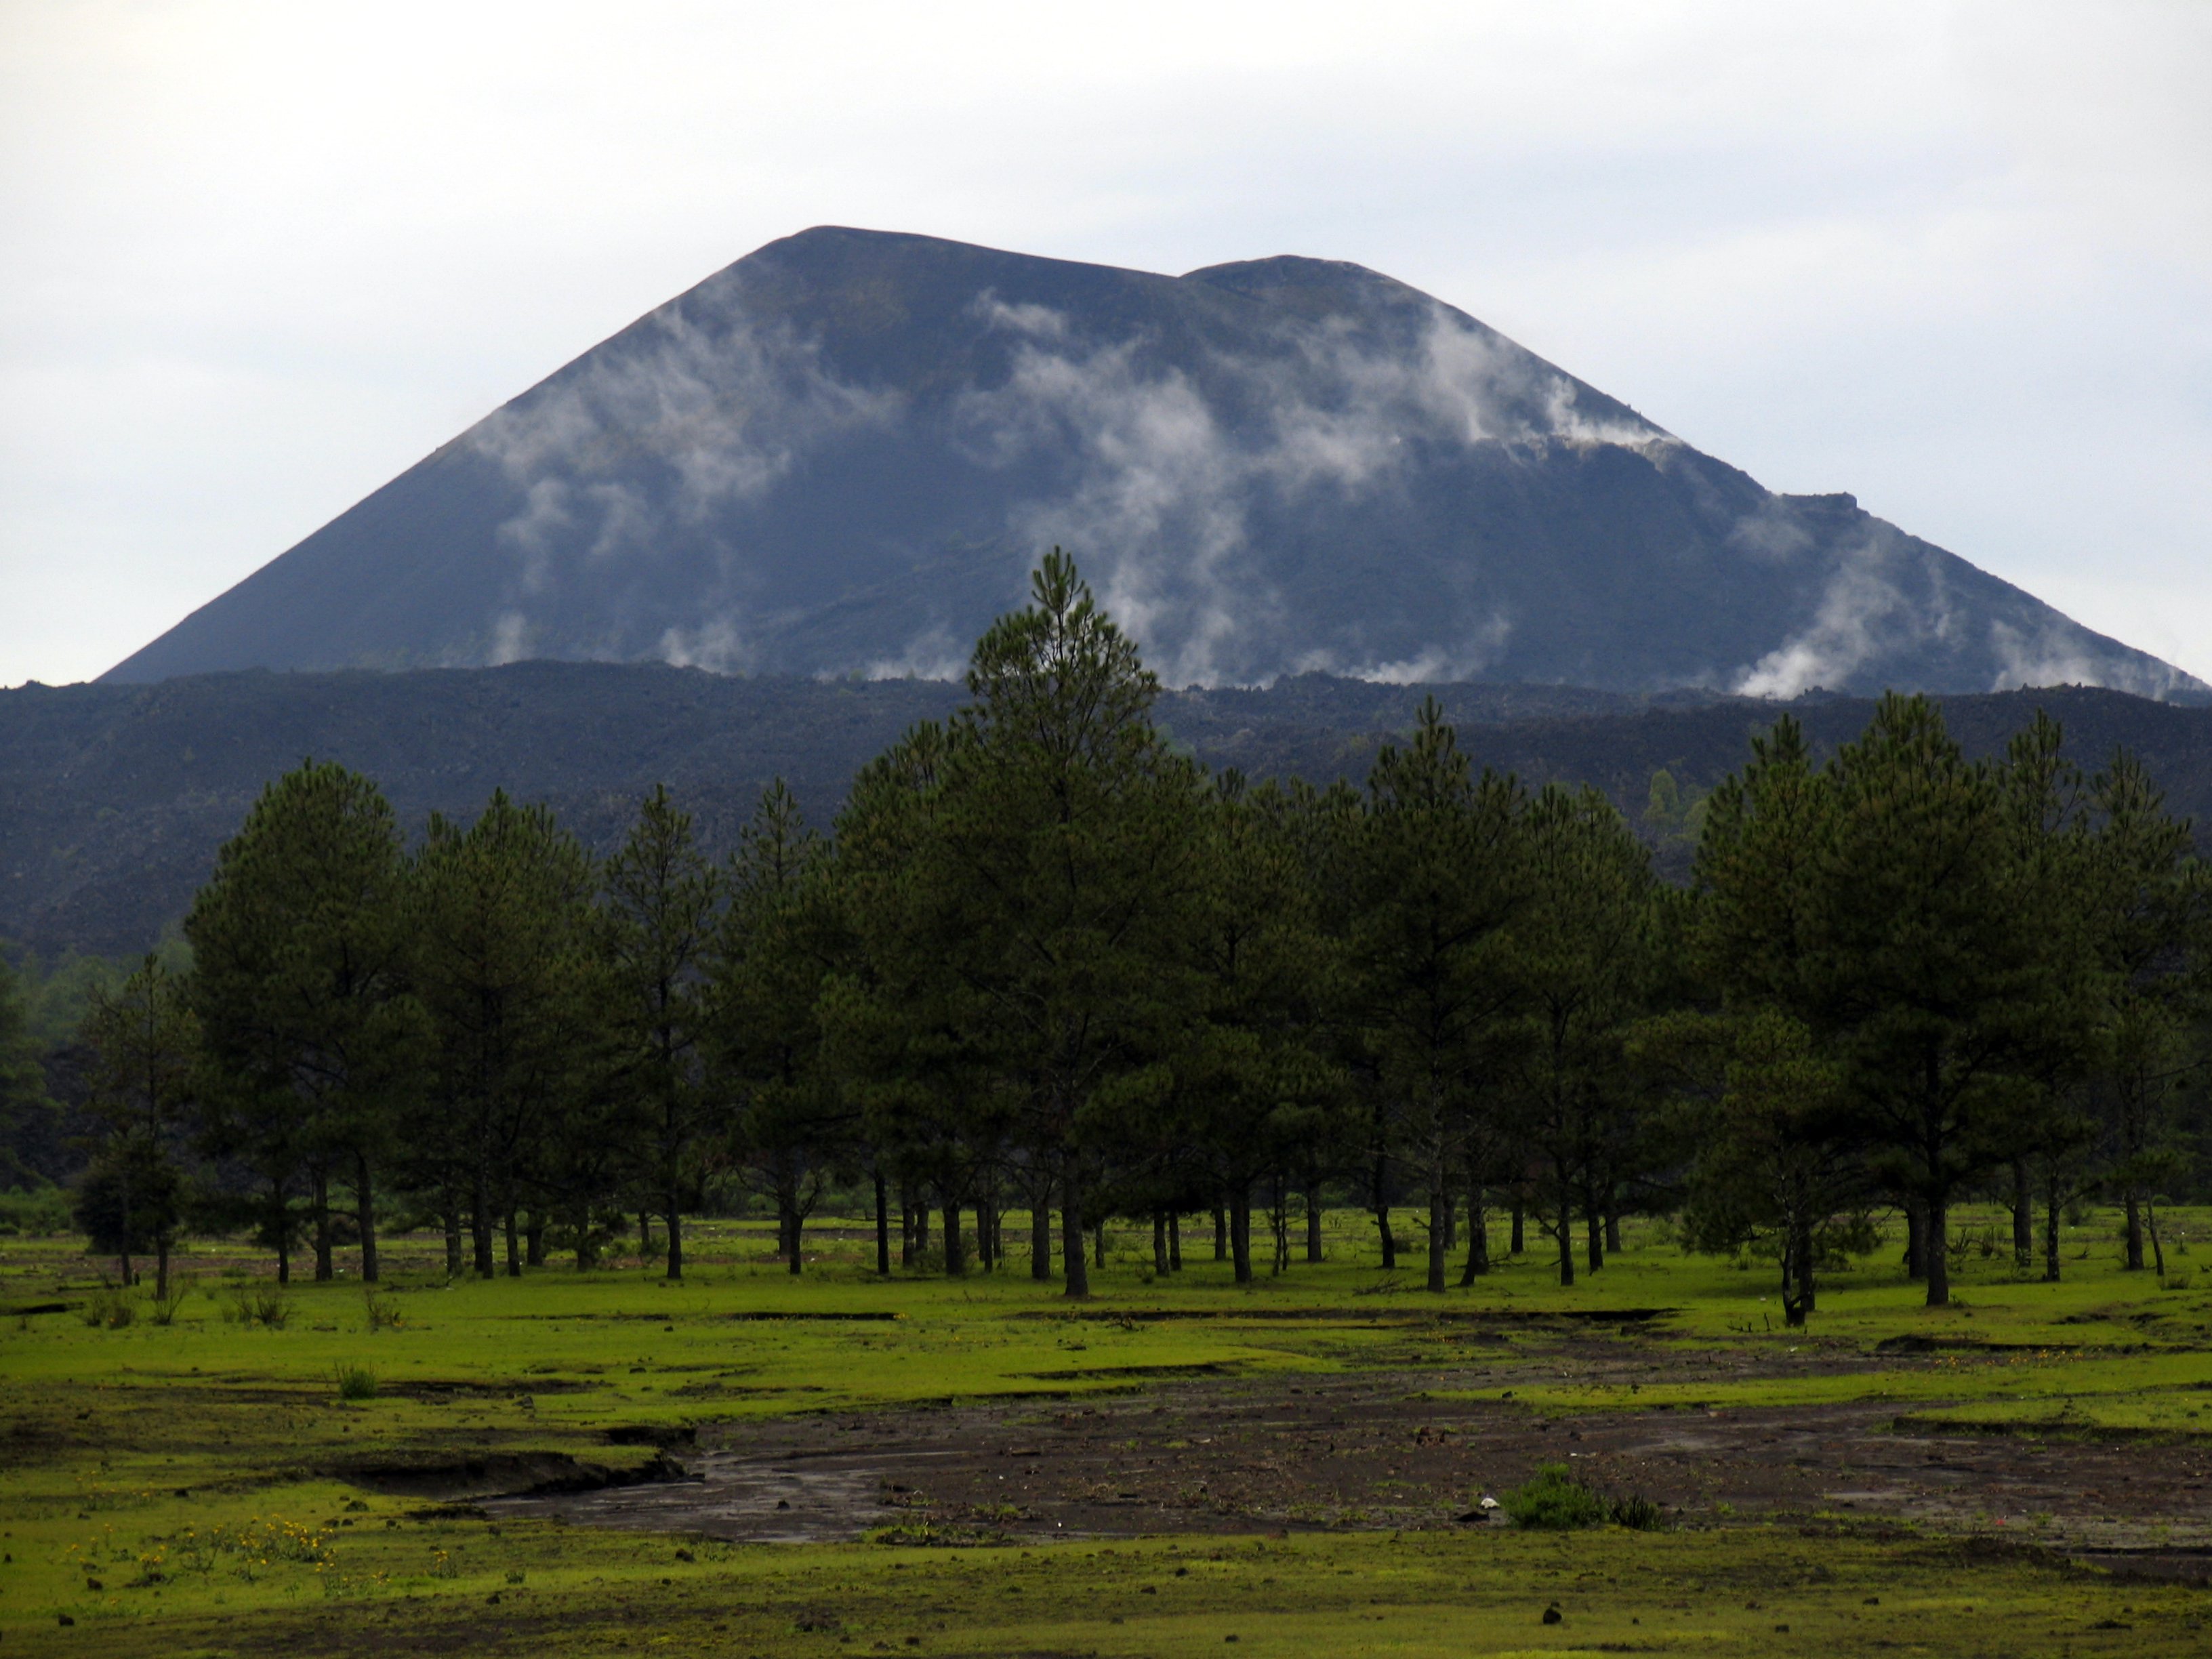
(452, 1219)
(513, 1245)
(161, 1268)
(1566, 1238)
(1612, 1230)
(1440, 1211)
(533, 1242)
(645, 1234)
(1936, 1245)
(2052, 1213)
(1159, 1243)
(1279, 1223)
(1478, 1233)
(2131, 1202)
(922, 1224)
(955, 1250)
(1098, 1242)
(1221, 1234)
(1797, 1271)
(1240, 1233)
(1313, 1221)
(1596, 1232)
(1381, 1204)
(2157, 1250)
(1072, 1257)
(1916, 1240)
(674, 1215)
(1174, 1242)
(906, 1228)
(320, 1188)
(986, 1257)
(2023, 1216)
(587, 1254)
(480, 1225)
(1041, 1238)
(364, 1210)
(883, 1225)
(1519, 1242)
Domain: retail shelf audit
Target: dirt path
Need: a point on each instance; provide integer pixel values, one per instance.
(1231, 1456)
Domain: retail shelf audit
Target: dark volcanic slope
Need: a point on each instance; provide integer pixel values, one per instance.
(113, 798)
(842, 454)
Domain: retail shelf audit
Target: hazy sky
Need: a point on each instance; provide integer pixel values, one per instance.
(1956, 258)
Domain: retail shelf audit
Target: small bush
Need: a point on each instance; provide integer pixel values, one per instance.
(162, 1308)
(383, 1312)
(2173, 1281)
(263, 1305)
(356, 1382)
(109, 1307)
(1637, 1513)
(1555, 1500)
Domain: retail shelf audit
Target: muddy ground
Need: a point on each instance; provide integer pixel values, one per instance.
(1373, 1450)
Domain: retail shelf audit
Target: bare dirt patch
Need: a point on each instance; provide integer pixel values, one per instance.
(1376, 1452)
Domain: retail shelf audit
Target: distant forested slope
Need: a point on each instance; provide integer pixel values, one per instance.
(113, 798)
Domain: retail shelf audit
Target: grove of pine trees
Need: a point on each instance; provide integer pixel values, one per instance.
(1042, 963)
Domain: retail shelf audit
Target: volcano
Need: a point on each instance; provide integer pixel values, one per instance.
(842, 455)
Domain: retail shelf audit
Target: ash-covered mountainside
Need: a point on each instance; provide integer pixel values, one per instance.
(842, 455)
(113, 798)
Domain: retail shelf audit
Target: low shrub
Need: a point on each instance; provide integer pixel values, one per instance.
(356, 1382)
(1637, 1513)
(1555, 1501)
(383, 1312)
(263, 1305)
(109, 1307)
(161, 1307)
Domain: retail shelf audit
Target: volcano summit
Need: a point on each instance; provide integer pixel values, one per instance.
(842, 454)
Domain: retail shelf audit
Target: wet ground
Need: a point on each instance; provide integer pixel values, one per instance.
(1371, 1451)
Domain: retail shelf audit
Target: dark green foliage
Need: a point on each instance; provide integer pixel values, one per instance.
(27, 1116)
(1047, 963)
(143, 1039)
(659, 908)
(514, 997)
(298, 984)
(1552, 1499)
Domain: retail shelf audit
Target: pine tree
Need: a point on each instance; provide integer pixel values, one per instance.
(1440, 874)
(1063, 858)
(297, 947)
(659, 911)
(1587, 964)
(779, 944)
(516, 1000)
(1931, 966)
(143, 1041)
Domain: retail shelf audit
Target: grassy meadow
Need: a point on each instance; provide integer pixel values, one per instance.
(222, 1483)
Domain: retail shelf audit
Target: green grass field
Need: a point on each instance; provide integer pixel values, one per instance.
(182, 1488)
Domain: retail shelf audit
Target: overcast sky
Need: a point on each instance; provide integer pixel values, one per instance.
(258, 259)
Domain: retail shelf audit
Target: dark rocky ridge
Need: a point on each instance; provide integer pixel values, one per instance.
(842, 454)
(115, 798)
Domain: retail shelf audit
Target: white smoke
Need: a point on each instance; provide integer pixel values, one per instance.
(1158, 503)
(1435, 664)
(932, 654)
(2059, 652)
(717, 645)
(726, 414)
(1864, 611)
